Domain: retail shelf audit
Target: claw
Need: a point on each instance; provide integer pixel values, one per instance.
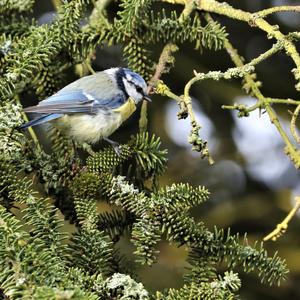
(115, 145)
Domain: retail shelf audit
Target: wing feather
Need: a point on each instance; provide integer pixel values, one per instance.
(70, 102)
(40, 120)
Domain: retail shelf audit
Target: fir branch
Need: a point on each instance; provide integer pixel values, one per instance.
(38, 213)
(184, 194)
(69, 16)
(133, 12)
(10, 235)
(46, 226)
(92, 34)
(161, 214)
(84, 189)
(115, 223)
(49, 81)
(270, 270)
(146, 159)
(13, 6)
(16, 26)
(121, 286)
(24, 62)
(90, 249)
(61, 145)
(181, 29)
(145, 236)
(148, 154)
(223, 287)
(24, 265)
(12, 143)
(138, 58)
(108, 160)
(201, 270)
(49, 293)
(40, 47)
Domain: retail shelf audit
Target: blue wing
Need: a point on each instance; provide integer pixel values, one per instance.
(40, 120)
(71, 102)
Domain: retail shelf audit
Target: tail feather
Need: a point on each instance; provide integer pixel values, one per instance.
(40, 120)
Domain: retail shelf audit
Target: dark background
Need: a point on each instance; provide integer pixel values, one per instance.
(253, 183)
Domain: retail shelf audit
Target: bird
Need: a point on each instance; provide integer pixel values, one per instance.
(92, 107)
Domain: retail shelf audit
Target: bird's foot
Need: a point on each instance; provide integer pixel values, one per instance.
(88, 149)
(115, 145)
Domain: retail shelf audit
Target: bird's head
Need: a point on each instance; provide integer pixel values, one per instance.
(132, 84)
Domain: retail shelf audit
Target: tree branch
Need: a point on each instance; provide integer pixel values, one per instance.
(282, 227)
(254, 20)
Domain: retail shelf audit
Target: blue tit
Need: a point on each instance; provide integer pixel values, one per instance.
(92, 107)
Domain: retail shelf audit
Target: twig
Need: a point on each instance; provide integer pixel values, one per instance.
(186, 109)
(265, 12)
(164, 62)
(262, 102)
(254, 20)
(293, 124)
(185, 102)
(287, 101)
(245, 110)
(282, 227)
(88, 65)
(239, 71)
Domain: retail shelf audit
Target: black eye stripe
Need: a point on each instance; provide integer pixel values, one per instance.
(138, 88)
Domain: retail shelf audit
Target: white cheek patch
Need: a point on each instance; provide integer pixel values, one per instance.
(129, 77)
(128, 87)
(131, 89)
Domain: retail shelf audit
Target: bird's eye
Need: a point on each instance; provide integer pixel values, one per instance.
(140, 90)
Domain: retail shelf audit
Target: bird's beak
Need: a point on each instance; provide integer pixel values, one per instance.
(147, 98)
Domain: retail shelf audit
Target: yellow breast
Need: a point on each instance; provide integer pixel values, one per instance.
(126, 109)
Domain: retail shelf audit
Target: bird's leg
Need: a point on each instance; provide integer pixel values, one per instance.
(114, 144)
(75, 151)
(88, 149)
(76, 160)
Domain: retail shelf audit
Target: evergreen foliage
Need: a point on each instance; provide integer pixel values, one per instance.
(38, 258)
